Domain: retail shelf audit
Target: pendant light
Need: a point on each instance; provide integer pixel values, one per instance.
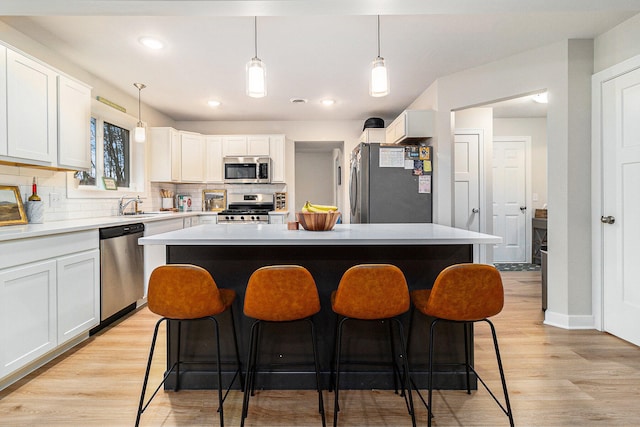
(256, 70)
(379, 83)
(140, 132)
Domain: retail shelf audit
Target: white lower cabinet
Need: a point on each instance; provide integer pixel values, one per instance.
(27, 315)
(49, 295)
(78, 294)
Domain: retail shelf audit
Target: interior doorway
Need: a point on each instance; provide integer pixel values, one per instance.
(318, 174)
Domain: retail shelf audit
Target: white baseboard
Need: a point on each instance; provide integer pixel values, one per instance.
(569, 322)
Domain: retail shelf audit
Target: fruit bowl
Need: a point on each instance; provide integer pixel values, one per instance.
(318, 221)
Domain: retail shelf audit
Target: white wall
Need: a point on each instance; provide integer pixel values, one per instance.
(564, 69)
(314, 178)
(617, 44)
(536, 128)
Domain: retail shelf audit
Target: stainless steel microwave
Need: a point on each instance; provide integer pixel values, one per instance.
(247, 170)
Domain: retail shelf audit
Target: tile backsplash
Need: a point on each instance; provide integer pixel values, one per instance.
(75, 208)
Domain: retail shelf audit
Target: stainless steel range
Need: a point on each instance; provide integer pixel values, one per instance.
(247, 209)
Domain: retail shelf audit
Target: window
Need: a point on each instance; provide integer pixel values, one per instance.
(112, 155)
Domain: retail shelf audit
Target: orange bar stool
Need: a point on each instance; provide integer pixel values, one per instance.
(372, 292)
(464, 293)
(183, 292)
(277, 294)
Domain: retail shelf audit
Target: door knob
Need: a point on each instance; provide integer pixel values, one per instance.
(475, 210)
(523, 208)
(607, 219)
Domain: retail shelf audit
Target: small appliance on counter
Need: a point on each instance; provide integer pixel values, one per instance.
(183, 202)
(247, 209)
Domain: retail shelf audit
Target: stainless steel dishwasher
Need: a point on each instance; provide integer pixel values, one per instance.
(121, 271)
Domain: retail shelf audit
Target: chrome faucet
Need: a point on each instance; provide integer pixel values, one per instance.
(122, 205)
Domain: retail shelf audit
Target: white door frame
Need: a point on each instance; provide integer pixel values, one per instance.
(527, 188)
(597, 280)
(485, 206)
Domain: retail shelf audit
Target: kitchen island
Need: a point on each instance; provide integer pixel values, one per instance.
(232, 252)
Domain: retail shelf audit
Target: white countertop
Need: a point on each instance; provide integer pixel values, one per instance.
(342, 234)
(12, 232)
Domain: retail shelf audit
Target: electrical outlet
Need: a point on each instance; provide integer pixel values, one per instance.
(54, 200)
(535, 197)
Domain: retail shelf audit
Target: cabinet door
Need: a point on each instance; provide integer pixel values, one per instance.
(3, 105)
(156, 255)
(258, 145)
(74, 115)
(234, 146)
(192, 157)
(27, 314)
(31, 109)
(213, 170)
(277, 154)
(78, 281)
(164, 155)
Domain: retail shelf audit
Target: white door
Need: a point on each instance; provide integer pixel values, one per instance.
(621, 232)
(467, 182)
(510, 214)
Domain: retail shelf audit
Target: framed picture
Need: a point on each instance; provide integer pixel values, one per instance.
(11, 208)
(109, 183)
(214, 200)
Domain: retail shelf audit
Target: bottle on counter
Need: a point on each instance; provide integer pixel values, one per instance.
(34, 192)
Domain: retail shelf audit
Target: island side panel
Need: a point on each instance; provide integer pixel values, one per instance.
(231, 267)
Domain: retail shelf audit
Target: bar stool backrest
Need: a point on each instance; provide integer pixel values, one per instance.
(183, 291)
(372, 291)
(281, 293)
(466, 292)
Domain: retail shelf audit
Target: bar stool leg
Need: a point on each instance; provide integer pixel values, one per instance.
(250, 375)
(431, 345)
(176, 386)
(407, 381)
(317, 365)
(502, 378)
(395, 371)
(336, 406)
(235, 344)
(146, 375)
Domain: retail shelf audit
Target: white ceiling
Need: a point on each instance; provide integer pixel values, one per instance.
(313, 49)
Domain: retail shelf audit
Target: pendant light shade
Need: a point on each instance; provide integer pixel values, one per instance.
(256, 70)
(379, 82)
(140, 134)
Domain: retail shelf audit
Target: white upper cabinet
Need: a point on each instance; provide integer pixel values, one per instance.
(192, 157)
(74, 113)
(31, 110)
(277, 154)
(411, 124)
(3, 105)
(373, 135)
(258, 145)
(234, 146)
(213, 161)
(165, 153)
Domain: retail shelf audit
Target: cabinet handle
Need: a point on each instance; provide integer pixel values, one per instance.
(475, 210)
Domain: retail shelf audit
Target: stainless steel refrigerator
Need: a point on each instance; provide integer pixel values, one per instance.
(391, 184)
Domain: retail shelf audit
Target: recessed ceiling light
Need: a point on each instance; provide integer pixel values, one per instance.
(541, 98)
(151, 43)
(214, 103)
(328, 102)
(298, 101)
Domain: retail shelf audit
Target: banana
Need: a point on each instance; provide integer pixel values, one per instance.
(309, 207)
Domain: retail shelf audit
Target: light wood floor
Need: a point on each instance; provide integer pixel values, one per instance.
(555, 378)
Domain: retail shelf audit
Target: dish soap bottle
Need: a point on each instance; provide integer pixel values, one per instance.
(34, 192)
(35, 207)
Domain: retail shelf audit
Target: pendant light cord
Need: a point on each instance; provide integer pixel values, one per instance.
(378, 36)
(255, 35)
(139, 118)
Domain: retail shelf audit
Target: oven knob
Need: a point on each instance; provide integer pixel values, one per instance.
(253, 218)
(241, 218)
(227, 218)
